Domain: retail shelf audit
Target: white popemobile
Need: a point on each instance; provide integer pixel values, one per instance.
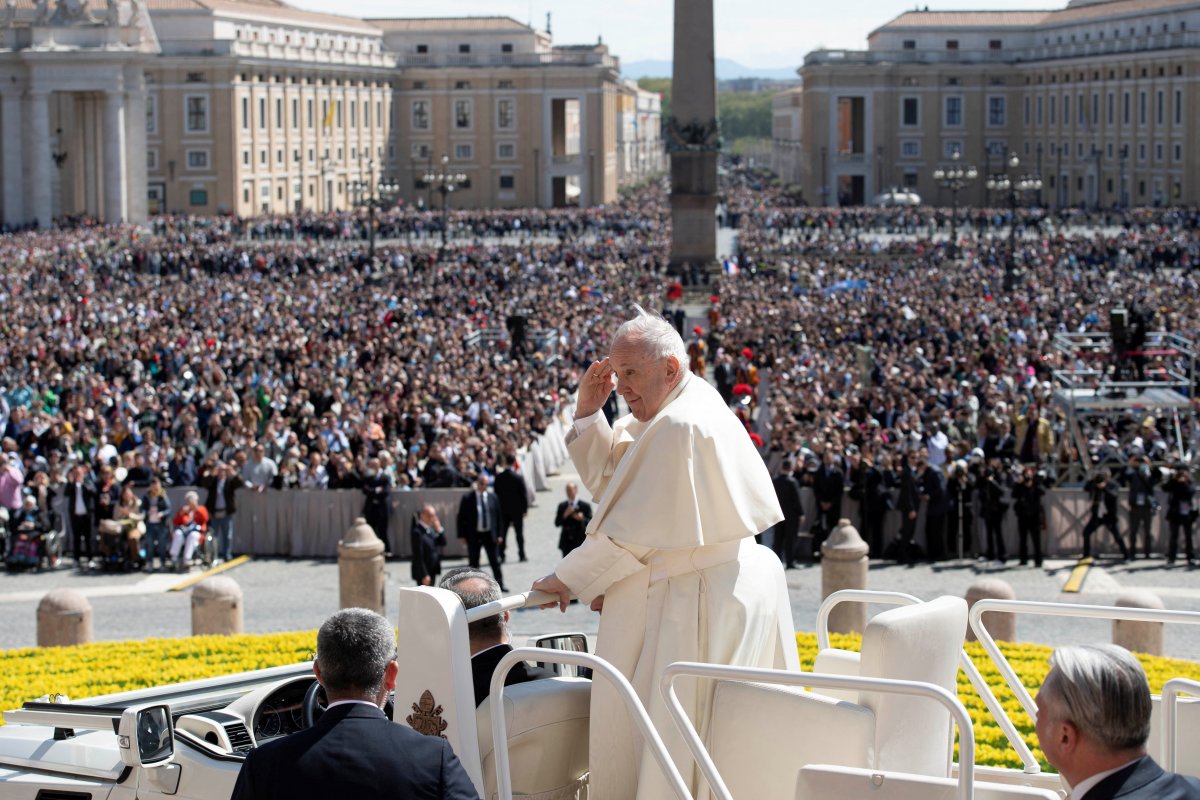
(880, 723)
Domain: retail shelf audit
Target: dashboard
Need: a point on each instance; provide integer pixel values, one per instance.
(281, 711)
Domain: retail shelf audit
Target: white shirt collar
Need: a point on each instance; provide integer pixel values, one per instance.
(1089, 783)
(348, 702)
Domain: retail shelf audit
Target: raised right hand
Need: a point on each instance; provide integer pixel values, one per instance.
(594, 388)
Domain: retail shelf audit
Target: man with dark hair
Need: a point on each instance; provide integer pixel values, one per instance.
(479, 524)
(489, 636)
(514, 504)
(353, 749)
(787, 490)
(1093, 720)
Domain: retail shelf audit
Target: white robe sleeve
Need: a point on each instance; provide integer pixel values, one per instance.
(595, 565)
(591, 452)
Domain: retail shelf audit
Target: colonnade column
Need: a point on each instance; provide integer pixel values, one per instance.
(136, 202)
(116, 179)
(12, 163)
(38, 147)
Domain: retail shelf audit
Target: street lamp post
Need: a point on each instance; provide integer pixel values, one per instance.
(445, 182)
(375, 193)
(1008, 181)
(955, 178)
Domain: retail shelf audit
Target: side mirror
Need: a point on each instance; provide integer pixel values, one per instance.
(572, 643)
(147, 736)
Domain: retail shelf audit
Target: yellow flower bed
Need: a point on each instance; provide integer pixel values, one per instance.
(107, 667)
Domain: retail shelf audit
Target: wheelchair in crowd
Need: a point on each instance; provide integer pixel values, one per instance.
(31, 543)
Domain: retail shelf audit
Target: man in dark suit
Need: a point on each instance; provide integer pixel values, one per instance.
(514, 504)
(426, 537)
(573, 516)
(489, 636)
(1093, 720)
(354, 750)
(80, 495)
(828, 486)
(479, 524)
(787, 489)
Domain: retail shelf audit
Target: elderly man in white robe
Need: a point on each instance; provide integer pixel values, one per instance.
(669, 558)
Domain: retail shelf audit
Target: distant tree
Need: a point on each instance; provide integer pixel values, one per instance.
(742, 114)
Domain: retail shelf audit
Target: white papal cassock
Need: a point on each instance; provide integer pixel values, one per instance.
(679, 498)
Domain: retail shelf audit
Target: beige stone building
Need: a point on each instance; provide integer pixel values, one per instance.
(640, 151)
(787, 123)
(1100, 98)
(250, 106)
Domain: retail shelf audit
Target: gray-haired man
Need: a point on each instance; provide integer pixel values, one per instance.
(1093, 721)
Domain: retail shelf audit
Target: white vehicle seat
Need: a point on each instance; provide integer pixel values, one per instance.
(820, 780)
(756, 725)
(547, 723)
(1187, 753)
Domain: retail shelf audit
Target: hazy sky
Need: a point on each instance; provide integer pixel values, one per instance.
(756, 33)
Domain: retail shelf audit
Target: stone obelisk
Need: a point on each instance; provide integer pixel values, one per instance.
(693, 138)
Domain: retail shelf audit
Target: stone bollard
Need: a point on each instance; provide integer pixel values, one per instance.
(1001, 625)
(64, 618)
(844, 565)
(360, 568)
(1139, 637)
(217, 607)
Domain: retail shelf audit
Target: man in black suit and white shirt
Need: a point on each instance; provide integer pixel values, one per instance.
(1093, 720)
(489, 636)
(573, 516)
(354, 750)
(514, 504)
(479, 523)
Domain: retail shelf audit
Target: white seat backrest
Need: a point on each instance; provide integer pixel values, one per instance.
(434, 691)
(833, 661)
(920, 642)
(547, 722)
(1187, 753)
(825, 781)
(761, 734)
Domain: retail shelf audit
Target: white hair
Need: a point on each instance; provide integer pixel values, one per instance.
(654, 334)
(191, 497)
(1102, 689)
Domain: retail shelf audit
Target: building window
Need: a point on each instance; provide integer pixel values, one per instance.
(1158, 152)
(421, 151)
(1053, 109)
(422, 49)
(910, 112)
(1095, 109)
(506, 150)
(151, 113)
(1025, 113)
(353, 113)
(152, 159)
(309, 112)
(462, 114)
(1125, 106)
(262, 157)
(504, 84)
(198, 197)
(997, 116)
(506, 48)
(262, 112)
(995, 44)
(910, 149)
(196, 118)
(954, 112)
(1038, 115)
(1160, 104)
(507, 182)
(506, 114)
(1141, 108)
(909, 44)
(1178, 152)
(278, 112)
(1142, 152)
(1111, 114)
(197, 159)
(464, 48)
(1178, 106)
(463, 151)
(952, 44)
(949, 148)
(245, 113)
(462, 85)
(279, 156)
(420, 115)
(245, 158)
(295, 112)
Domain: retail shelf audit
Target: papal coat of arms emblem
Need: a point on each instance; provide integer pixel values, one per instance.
(427, 716)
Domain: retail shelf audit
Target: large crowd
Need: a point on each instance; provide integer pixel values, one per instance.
(166, 350)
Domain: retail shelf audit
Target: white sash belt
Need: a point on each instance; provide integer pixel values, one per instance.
(666, 564)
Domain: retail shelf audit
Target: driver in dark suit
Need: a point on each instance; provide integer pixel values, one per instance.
(1093, 720)
(354, 750)
(489, 636)
(479, 523)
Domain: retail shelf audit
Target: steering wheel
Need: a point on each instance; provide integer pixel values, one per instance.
(315, 701)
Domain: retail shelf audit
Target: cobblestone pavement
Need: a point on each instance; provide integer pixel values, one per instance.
(284, 594)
